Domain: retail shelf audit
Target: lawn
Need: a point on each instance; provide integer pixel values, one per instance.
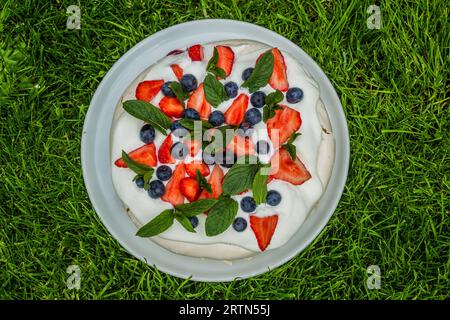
(393, 85)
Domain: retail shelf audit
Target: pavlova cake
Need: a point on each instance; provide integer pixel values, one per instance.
(221, 150)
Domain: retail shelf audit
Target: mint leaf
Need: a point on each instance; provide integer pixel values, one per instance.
(196, 207)
(259, 186)
(139, 168)
(184, 221)
(239, 178)
(293, 137)
(269, 112)
(147, 177)
(202, 182)
(189, 124)
(179, 92)
(274, 97)
(214, 91)
(149, 113)
(159, 224)
(290, 147)
(212, 63)
(212, 66)
(221, 216)
(261, 73)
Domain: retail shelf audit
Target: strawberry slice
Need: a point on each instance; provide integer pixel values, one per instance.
(171, 107)
(173, 193)
(236, 112)
(263, 228)
(175, 52)
(147, 90)
(284, 168)
(164, 152)
(196, 52)
(278, 79)
(193, 146)
(198, 101)
(285, 122)
(177, 70)
(192, 167)
(143, 155)
(215, 180)
(226, 59)
(190, 189)
(241, 146)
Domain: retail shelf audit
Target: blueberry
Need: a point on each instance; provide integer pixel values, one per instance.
(179, 151)
(167, 91)
(246, 74)
(188, 82)
(248, 204)
(294, 95)
(216, 118)
(258, 99)
(231, 88)
(208, 158)
(156, 189)
(226, 158)
(239, 224)
(164, 173)
(253, 116)
(147, 133)
(139, 182)
(273, 198)
(194, 221)
(190, 113)
(262, 147)
(175, 125)
(245, 129)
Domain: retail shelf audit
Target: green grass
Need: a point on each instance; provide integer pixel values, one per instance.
(392, 83)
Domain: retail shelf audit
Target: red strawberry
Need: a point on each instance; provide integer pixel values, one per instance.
(215, 180)
(173, 191)
(263, 228)
(175, 52)
(164, 152)
(284, 168)
(198, 101)
(236, 112)
(190, 189)
(241, 146)
(144, 155)
(147, 90)
(278, 80)
(193, 146)
(196, 52)
(285, 122)
(192, 167)
(171, 107)
(177, 70)
(226, 59)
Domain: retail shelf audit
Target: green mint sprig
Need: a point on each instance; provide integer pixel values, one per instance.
(179, 92)
(140, 169)
(261, 73)
(149, 113)
(214, 90)
(213, 68)
(272, 101)
(290, 147)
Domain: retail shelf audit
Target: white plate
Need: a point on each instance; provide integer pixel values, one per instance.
(96, 162)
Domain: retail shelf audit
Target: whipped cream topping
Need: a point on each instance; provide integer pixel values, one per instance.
(297, 201)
